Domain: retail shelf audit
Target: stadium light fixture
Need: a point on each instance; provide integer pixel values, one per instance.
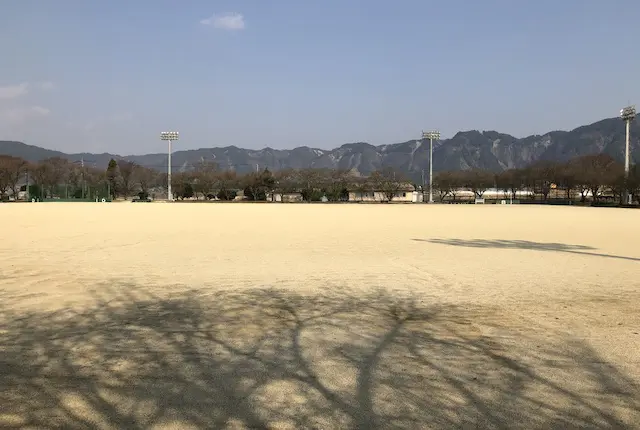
(627, 114)
(170, 136)
(431, 135)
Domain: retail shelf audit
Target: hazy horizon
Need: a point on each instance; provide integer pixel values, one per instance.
(177, 146)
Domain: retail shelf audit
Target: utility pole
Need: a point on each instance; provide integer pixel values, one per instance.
(84, 184)
(627, 114)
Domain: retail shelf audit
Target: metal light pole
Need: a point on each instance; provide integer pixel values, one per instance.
(627, 114)
(169, 136)
(431, 135)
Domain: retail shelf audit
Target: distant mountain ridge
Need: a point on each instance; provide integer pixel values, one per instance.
(467, 149)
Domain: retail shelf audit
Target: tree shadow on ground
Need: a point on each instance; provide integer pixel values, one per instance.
(524, 244)
(268, 358)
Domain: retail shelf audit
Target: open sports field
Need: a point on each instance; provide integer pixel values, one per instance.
(185, 316)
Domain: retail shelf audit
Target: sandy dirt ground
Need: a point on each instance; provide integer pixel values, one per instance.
(234, 316)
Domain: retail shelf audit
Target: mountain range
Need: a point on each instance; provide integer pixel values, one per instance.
(489, 150)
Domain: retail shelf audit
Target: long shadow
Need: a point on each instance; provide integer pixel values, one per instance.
(268, 358)
(524, 244)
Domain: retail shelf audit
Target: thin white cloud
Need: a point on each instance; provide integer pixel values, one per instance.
(18, 115)
(231, 21)
(90, 125)
(47, 86)
(14, 91)
(39, 110)
(101, 121)
(121, 117)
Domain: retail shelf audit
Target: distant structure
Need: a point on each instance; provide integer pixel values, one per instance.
(169, 136)
(431, 135)
(627, 114)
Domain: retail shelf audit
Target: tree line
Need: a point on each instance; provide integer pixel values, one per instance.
(595, 177)
(207, 181)
(592, 177)
(60, 178)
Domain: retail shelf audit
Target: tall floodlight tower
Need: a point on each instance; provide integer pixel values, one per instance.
(627, 114)
(169, 136)
(431, 135)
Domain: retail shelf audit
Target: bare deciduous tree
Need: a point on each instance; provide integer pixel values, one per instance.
(225, 182)
(616, 182)
(76, 180)
(478, 181)
(308, 182)
(633, 183)
(285, 183)
(57, 173)
(40, 173)
(335, 184)
(258, 184)
(566, 178)
(388, 182)
(544, 175)
(595, 172)
(447, 184)
(362, 187)
(146, 179)
(95, 179)
(12, 171)
(181, 185)
(127, 170)
(510, 181)
(5, 172)
(205, 178)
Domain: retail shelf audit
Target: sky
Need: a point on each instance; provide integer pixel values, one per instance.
(109, 76)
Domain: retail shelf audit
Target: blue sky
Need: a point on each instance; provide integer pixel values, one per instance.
(79, 75)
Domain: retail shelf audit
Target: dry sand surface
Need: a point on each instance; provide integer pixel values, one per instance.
(185, 316)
